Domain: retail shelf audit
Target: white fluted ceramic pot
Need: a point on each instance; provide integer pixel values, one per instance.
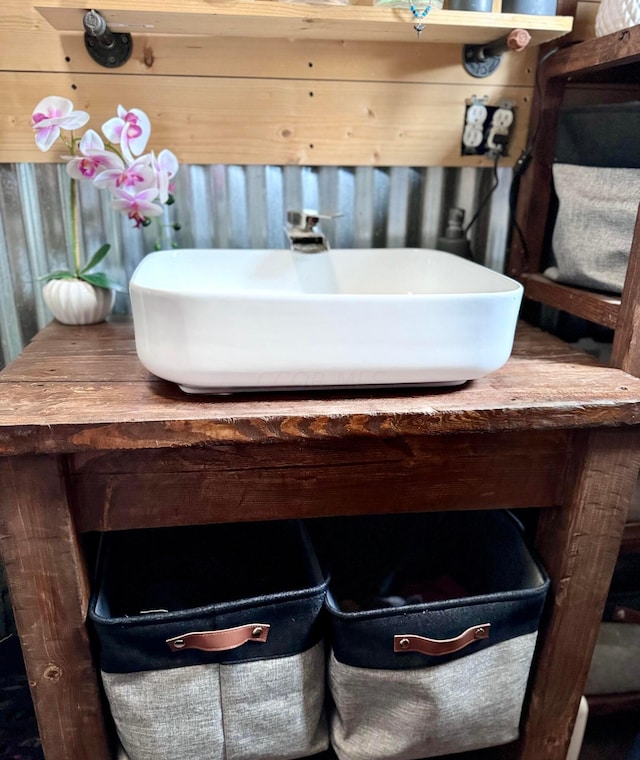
(614, 15)
(76, 302)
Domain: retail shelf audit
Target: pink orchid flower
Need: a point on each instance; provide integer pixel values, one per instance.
(131, 129)
(93, 159)
(138, 206)
(52, 114)
(139, 184)
(138, 174)
(166, 167)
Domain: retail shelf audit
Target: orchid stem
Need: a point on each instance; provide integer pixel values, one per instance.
(75, 226)
(75, 215)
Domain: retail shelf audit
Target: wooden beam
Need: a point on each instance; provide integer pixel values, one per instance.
(610, 51)
(275, 121)
(262, 18)
(234, 483)
(246, 100)
(50, 605)
(596, 307)
(626, 341)
(590, 522)
(24, 30)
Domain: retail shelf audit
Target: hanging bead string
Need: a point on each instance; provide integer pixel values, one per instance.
(419, 15)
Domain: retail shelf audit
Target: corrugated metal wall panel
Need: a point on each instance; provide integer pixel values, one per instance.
(229, 207)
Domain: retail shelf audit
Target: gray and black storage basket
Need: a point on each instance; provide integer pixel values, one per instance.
(434, 621)
(210, 641)
(615, 665)
(596, 179)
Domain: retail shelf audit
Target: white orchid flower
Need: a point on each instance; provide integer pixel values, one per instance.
(139, 174)
(93, 160)
(52, 114)
(166, 167)
(138, 206)
(131, 129)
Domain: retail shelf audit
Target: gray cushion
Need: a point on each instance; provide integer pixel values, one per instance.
(594, 226)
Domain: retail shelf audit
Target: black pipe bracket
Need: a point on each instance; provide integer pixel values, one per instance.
(106, 48)
(477, 62)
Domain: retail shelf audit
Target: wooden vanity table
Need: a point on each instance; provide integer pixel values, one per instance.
(90, 441)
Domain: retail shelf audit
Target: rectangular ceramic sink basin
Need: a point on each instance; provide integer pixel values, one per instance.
(217, 321)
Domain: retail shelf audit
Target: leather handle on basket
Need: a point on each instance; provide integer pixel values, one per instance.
(220, 641)
(409, 643)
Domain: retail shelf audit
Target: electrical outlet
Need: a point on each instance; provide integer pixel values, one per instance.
(502, 118)
(472, 137)
(498, 136)
(475, 119)
(487, 129)
(477, 114)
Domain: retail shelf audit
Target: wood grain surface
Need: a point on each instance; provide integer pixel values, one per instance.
(572, 541)
(313, 478)
(49, 589)
(80, 389)
(89, 441)
(319, 92)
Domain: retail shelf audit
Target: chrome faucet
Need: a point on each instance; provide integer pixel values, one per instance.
(302, 233)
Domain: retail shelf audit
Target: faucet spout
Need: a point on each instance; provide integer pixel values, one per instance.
(302, 233)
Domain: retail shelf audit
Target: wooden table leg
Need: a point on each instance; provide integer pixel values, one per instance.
(579, 543)
(49, 591)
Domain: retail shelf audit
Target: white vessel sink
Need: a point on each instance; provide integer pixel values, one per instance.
(217, 321)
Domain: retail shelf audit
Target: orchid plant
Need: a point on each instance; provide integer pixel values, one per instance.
(139, 183)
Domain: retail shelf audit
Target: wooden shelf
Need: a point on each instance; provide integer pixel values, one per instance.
(595, 55)
(270, 19)
(575, 62)
(596, 307)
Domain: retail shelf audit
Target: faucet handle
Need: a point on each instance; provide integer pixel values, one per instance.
(303, 220)
(307, 219)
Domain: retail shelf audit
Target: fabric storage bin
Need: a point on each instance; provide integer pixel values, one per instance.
(434, 621)
(210, 641)
(614, 665)
(596, 180)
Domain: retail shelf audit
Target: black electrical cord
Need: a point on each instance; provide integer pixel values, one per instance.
(538, 90)
(485, 200)
(525, 159)
(513, 197)
(519, 170)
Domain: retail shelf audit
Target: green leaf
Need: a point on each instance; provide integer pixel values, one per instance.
(96, 258)
(62, 274)
(100, 280)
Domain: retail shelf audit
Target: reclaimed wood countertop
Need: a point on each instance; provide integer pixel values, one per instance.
(90, 441)
(83, 388)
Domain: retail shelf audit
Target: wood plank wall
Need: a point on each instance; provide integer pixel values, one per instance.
(261, 101)
(265, 101)
(585, 18)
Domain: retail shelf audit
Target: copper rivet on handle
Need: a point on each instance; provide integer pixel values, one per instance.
(479, 633)
(178, 643)
(257, 631)
(403, 643)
